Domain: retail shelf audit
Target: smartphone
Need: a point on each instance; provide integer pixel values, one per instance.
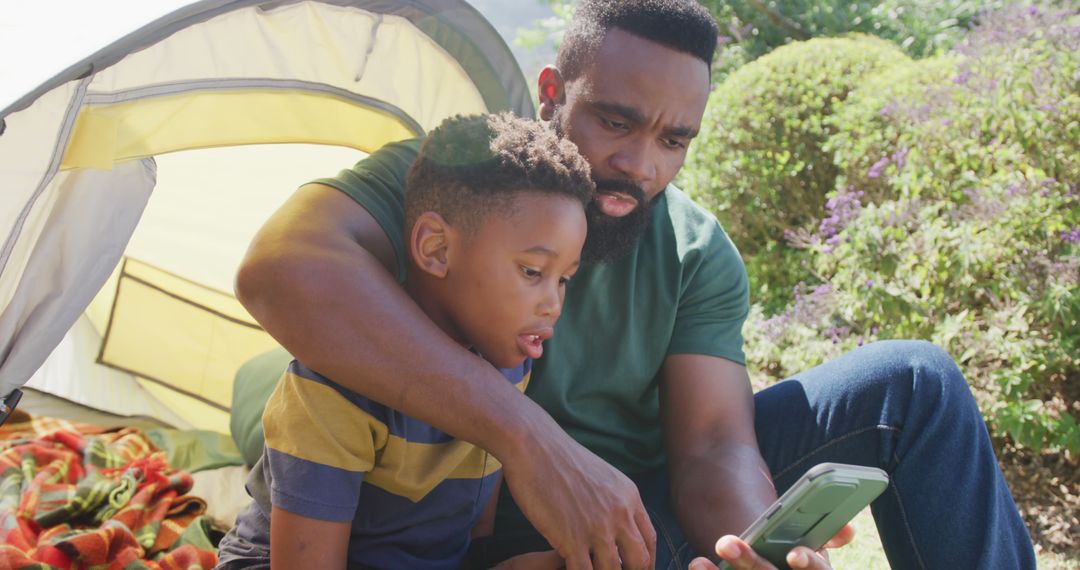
(814, 509)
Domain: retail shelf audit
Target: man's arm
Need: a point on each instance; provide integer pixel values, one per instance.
(719, 481)
(318, 278)
(301, 542)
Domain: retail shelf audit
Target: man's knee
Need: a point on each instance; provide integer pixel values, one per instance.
(930, 364)
(934, 376)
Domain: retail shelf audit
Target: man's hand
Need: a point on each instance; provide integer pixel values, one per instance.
(547, 560)
(740, 556)
(590, 512)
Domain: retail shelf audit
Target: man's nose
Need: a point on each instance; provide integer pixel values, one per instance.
(635, 161)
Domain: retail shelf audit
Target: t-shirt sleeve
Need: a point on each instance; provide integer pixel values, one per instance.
(378, 184)
(714, 302)
(319, 445)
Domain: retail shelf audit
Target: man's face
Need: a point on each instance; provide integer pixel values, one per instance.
(632, 114)
(507, 280)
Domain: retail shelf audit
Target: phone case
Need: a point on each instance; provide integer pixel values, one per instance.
(814, 509)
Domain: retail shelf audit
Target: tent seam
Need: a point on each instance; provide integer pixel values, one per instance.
(54, 166)
(176, 88)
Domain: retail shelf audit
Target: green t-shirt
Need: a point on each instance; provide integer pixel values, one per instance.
(683, 290)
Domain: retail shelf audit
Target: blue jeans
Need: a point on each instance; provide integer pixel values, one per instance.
(902, 406)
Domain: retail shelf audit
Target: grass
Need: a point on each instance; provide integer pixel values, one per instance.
(865, 551)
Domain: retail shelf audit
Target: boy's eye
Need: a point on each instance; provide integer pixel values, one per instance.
(564, 280)
(529, 272)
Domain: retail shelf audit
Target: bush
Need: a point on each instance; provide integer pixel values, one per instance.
(1006, 101)
(922, 28)
(957, 221)
(760, 162)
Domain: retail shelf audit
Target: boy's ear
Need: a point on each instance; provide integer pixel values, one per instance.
(430, 242)
(552, 91)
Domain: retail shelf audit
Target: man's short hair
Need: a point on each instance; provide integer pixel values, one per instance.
(470, 166)
(683, 25)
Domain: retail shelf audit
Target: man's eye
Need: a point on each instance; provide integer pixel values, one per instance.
(564, 280)
(611, 124)
(674, 143)
(529, 272)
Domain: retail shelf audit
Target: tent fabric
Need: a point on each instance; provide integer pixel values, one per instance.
(134, 180)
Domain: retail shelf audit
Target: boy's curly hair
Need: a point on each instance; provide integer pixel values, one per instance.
(471, 166)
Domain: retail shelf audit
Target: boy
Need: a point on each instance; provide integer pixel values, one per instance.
(495, 211)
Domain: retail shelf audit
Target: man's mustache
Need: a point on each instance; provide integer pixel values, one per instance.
(622, 186)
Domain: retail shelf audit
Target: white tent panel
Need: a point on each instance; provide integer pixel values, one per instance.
(209, 203)
(32, 142)
(87, 218)
(289, 43)
(201, 124)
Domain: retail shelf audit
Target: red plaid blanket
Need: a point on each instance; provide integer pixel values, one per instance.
(75, 496)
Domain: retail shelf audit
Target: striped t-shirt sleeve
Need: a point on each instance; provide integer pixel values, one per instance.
(319, 446)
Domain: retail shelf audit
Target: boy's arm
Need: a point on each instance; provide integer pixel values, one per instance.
(300, 542)
(485, 524)
(318, 278)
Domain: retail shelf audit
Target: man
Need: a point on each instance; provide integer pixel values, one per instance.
(647, 367)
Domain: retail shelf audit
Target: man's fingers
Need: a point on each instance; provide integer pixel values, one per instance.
(739, 555)
(728, 548)
(802, 558)
(702, 563)
(547, 560)
(578, 562)
(606, 557)
(842, 538)
(637, 544)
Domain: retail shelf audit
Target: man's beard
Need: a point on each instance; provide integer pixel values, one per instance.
(611, 238)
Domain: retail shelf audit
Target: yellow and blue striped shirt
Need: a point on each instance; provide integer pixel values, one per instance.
(411, 491)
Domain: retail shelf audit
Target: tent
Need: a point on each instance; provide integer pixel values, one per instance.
(133, 181)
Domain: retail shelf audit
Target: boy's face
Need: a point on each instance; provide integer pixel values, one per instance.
(507, 279)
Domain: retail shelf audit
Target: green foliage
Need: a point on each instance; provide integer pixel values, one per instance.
(1008, 100)
(957, 220)
(750, 29)
(548, 30)
(760, 161)
(920, 27)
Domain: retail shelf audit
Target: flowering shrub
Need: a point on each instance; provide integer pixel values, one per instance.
(1005, 101)
(760, 161)
(921, 28)
(956, 219)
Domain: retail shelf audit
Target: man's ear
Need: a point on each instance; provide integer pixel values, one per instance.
(429, 244)
(552, 91)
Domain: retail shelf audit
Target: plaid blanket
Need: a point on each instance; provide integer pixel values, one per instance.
(76, 496)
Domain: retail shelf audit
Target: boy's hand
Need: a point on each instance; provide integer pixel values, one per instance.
(740, 556)
(547, 560)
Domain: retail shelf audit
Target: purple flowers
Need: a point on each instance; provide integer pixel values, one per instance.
(1071, 236)
(807, 310)
(898, 158)
(878, 168)
(963, 77)
(842, 208)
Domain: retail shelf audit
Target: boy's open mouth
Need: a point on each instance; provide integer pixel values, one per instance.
(532, 344)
